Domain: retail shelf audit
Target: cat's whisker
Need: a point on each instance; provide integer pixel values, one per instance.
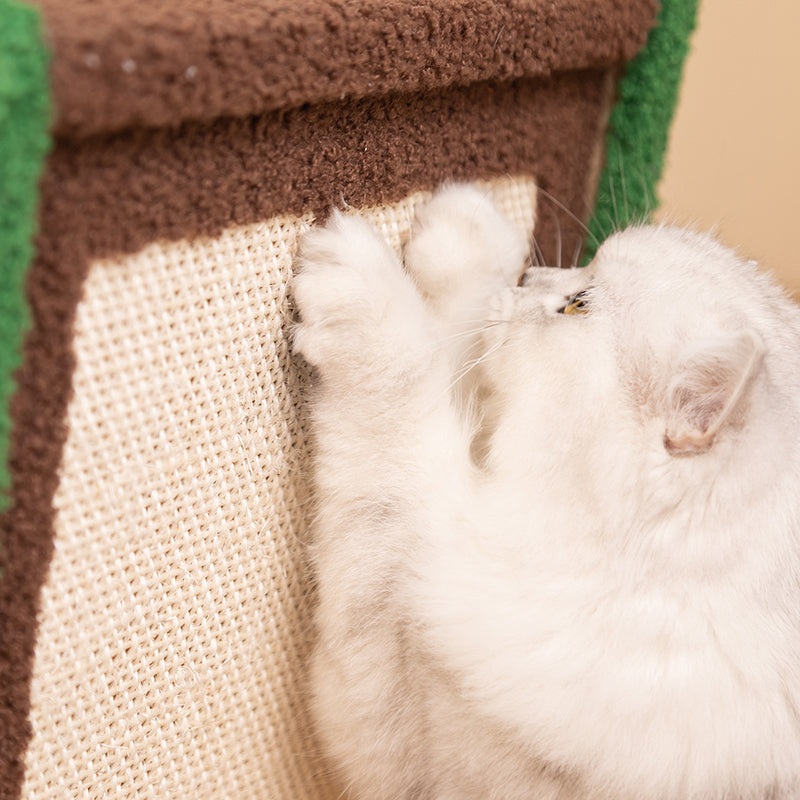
(624, 187)
(577, 254)
(558, 240)
(485, 325)
(615, 225)
(538, 257)
(574, 217)
(648, 195)
(472, 321)
(470, 366)
(346, 790)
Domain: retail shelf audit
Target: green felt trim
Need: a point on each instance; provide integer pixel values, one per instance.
(24, 143)
(639, 124)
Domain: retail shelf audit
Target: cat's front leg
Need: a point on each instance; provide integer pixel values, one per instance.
(362, 325)
(462, 252)
(381, 395)
(388, 451)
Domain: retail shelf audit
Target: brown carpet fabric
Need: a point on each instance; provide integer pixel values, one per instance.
(120, 63)
(175, 123)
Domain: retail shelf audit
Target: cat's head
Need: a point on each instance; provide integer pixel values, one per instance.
(665, 348)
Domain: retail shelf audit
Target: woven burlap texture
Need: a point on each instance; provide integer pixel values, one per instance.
(175, 623)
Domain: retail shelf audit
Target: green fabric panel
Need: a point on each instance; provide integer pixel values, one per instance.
(639, 124)
(24, 143)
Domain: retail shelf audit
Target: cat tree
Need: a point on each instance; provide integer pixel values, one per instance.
(157, 162)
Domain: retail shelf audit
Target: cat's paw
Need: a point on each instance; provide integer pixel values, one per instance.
(461, 245)
(354, 301)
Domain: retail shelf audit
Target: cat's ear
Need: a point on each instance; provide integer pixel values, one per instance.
(710, 389)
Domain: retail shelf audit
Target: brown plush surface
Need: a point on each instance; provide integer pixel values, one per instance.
(122, 63)
(115, 194)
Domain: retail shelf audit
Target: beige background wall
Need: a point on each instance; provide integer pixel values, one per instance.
(734, 154)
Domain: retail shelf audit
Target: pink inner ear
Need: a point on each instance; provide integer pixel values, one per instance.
(710, 385)
(701, 404)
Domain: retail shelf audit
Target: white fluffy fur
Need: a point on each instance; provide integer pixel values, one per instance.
(576, 575)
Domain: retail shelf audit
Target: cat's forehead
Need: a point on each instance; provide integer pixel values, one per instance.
(666, 264)
(666, 285)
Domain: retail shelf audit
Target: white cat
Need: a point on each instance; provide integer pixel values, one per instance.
(577, 575)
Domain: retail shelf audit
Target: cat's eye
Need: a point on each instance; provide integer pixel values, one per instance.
(577, 304)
